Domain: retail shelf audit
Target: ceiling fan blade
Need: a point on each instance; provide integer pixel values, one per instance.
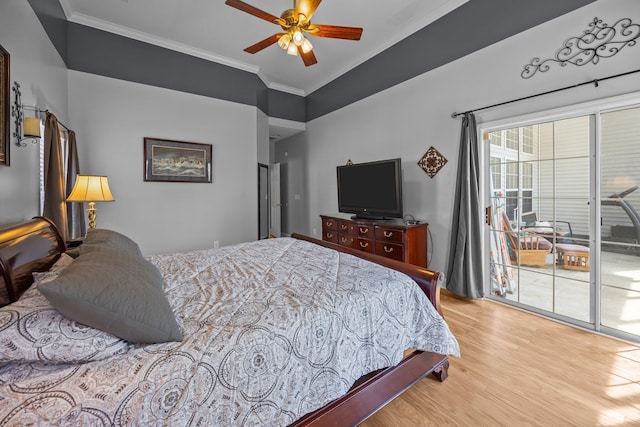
(264, 43)
(308, 58)
(335, 32)
(307, 7)
(240, 5)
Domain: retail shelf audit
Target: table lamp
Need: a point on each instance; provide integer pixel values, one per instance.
(91, 188)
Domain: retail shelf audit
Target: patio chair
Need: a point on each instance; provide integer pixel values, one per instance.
(526, 249)
(562, 233)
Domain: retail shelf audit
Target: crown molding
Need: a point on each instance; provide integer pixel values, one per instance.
(99, 24)
(407, 31)
(82, 19)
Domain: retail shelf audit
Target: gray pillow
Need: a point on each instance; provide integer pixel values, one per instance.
(108, 238)
(117, 292)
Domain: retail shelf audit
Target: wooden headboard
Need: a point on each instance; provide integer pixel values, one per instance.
(25, 247)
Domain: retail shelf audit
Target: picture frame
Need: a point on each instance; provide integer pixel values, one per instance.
(177, 161)
(4, 108)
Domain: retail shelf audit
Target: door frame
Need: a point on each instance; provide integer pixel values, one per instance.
(591, 108)
(261, 185)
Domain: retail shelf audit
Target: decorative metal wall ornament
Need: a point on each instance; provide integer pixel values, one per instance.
(599, 41)
(432, 162)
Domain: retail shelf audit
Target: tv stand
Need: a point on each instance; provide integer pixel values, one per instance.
(389, 238)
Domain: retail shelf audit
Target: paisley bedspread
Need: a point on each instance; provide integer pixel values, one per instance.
(272, 330)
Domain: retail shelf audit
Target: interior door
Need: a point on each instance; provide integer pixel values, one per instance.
(274, 200)
(263, 201)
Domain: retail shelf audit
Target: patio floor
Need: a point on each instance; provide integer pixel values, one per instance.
(566, 292)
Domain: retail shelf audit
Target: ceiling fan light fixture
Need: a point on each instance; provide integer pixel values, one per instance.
(295, 22)
(292, 49)
(284, 41)
(306, 46)
(297, 37)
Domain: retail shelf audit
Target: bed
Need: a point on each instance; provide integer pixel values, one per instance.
(288, 331)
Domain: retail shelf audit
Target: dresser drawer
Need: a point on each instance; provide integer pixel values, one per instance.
(346, 240)
(329, 224)
(344, 227)
(365, 245)
(389, 235)
(390, 250)
(330, 235)
(366, 231)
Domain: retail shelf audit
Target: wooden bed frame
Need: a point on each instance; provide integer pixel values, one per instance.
(36, 244)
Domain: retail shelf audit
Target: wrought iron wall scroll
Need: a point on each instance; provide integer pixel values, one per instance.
(599, 41)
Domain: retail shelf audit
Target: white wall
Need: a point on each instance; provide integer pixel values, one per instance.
(42, 75)
(111, 118)
(404, 121)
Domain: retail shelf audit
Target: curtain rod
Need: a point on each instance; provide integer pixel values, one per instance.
(594, 82)
(40, 111)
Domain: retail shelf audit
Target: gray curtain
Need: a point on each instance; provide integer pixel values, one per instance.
(464, 272)
(75, 212)
(55, 206)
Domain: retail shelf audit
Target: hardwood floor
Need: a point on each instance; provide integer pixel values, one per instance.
(518, 369)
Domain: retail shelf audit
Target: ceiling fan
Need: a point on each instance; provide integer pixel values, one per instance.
(295, 22)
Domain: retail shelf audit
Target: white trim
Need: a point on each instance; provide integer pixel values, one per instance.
(408, 30)
(80, 18)
(110, 27)
(564, 112)
(290, 124)
(66, 8)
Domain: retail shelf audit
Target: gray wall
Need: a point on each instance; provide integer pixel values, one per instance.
(42, 75)
(405, 120)
(112, 117)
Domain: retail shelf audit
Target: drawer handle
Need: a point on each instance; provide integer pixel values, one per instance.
(329, 235)
(364, 230)
(387, 233)
(344, 227)
(329, 223)
(364, 245)
(388, 250)
(343, 240)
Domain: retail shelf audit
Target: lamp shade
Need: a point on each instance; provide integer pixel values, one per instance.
(31, 127)
(91, 188)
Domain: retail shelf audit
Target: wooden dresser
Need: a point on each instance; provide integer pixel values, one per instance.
(389, 238)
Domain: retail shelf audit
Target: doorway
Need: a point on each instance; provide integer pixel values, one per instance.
(263, 201)
(564, 233)
(269, 204)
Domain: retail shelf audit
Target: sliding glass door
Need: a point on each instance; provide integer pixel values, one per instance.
(620, 228)
(564, 231)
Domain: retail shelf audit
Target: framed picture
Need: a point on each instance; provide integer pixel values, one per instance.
(4, 107)
(176, 161)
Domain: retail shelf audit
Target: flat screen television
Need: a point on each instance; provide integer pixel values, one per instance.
(371, 190)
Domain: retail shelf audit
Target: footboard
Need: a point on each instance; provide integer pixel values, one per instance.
(375, 390)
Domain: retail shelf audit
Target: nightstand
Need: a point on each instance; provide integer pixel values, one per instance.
(74, 243)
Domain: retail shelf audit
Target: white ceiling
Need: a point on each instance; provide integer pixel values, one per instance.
(211, 30)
